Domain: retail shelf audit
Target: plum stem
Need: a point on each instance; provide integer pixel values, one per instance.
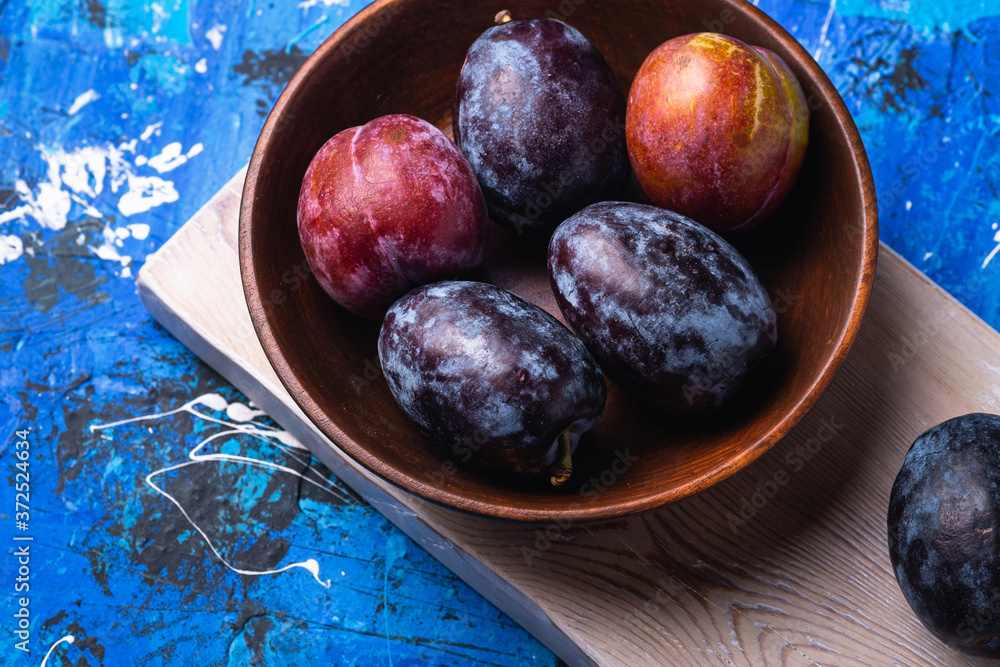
(565, 468)
(502, 17)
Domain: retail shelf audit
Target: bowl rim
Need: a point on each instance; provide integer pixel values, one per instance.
(574, 511)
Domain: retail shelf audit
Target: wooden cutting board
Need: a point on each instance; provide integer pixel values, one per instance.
(783, 564)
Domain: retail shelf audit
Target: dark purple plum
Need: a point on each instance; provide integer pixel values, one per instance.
(541, 119)
(492, 379)
(673, 313)
(944, 531)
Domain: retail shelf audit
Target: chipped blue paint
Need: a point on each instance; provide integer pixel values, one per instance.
(921, 14)
(118, 120)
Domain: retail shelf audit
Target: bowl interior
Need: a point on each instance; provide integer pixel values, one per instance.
(815, 255)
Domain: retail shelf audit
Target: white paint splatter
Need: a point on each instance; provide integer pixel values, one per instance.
(139, 230)
(146, 192)
(214, 35)
(86, 173)
(172, 157)
(11, 247)
(84, 170)
(150, 131)
(169, 158)
(69, 639)
(159, 16)
(306, 4)
(826, 26)
(49, 204)
(927, 255)
(114, 38)
(242, 424)
(993, 253)
(107, 250)
(242, 413)
(82, 100)
(201, 66)
(909, 204)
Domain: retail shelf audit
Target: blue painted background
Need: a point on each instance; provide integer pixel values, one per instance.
(118, 120)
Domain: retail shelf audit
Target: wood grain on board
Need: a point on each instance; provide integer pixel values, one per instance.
(784, 563)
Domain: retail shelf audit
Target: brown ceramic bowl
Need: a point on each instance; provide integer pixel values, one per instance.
(816, 255)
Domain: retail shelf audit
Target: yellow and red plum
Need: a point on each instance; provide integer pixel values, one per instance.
(944, 531)
(495, 381)
(387, 206)
(541, 118)
(717, 129)
(672, 312)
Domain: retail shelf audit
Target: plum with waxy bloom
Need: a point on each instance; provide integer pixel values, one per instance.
(494, 381)
(541, 118)
(673, 313)
(944, 531)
